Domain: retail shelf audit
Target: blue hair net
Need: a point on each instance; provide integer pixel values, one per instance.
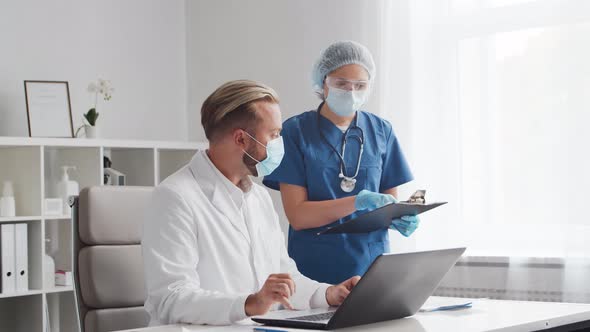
(337, 55)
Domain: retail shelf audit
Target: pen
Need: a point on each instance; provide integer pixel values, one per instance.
(263, 329)
(449, 307)
(458, 306)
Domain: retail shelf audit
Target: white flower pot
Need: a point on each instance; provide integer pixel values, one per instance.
(91, 131)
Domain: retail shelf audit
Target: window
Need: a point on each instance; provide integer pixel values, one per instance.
(499, 124)
(524, 106)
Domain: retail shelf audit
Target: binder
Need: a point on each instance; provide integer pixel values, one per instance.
(21, 258)
(7, 246)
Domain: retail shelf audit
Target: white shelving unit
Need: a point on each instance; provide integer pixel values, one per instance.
(33, 165)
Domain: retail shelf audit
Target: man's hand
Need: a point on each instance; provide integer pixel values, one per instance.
(336, 294)
(277, 288)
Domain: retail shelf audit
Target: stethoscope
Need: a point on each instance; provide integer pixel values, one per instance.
(347, 183)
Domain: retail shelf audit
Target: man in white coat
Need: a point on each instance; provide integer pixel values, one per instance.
(213, 249)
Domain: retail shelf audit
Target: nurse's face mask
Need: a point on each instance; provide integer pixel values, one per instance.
(345, 97)
(275, 151)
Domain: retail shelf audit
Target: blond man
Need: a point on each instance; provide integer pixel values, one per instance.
(213, 249)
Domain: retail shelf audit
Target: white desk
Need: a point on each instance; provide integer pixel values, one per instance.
(485, 315)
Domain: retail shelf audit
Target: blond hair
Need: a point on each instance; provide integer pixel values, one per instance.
(231, 106)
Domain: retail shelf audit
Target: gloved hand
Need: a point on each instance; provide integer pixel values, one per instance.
(368, 200)
(406, 225)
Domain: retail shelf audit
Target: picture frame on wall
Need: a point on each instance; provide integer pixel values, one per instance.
(49, 109)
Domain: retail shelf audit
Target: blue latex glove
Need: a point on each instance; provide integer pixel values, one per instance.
(368, 200)
(406, 225)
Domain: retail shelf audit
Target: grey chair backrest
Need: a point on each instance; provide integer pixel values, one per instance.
(108, 267)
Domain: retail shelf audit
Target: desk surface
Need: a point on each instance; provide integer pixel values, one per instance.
(485, 315)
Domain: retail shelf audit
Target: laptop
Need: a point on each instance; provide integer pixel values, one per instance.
(394, 286)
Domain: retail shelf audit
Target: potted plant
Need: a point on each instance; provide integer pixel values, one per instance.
(103, 88)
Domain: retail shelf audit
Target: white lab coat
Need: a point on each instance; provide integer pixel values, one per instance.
(207, 245)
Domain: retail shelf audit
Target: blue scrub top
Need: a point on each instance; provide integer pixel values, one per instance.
(309, 162)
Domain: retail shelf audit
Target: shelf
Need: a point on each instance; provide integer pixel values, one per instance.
(88, 165)
(171, 160)
(20, 294)
(34, 167)
(107, 143)
(59, 248)
(22, 313)
(137, 164)
(19, 219)
(21, 166)
(60, 217)
(61, 313)
(59, 289)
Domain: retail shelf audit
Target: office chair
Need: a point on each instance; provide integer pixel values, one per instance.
(107, 264)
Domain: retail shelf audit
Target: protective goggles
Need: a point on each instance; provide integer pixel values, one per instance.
(345, 84)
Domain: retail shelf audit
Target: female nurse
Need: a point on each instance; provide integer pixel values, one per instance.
(339, 160)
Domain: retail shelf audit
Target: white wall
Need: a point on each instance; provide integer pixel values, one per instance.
(138, 44)
(275, 42)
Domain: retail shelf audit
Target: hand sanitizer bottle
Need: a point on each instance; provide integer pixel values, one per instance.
(67, 188)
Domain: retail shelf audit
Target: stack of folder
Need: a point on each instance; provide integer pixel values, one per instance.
(14, 260)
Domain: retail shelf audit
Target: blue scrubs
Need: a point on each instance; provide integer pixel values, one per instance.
(309, 162)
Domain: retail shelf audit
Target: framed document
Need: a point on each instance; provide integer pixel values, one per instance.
(49, 111)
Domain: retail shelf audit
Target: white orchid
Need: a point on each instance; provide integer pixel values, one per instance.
(100, 87)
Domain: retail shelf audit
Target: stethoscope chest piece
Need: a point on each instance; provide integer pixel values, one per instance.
(347, 184)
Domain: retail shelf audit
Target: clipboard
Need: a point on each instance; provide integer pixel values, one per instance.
(380, 218)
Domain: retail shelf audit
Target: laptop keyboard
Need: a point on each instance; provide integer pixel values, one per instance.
(316, 317)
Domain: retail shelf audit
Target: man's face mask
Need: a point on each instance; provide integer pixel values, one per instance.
(275, 151)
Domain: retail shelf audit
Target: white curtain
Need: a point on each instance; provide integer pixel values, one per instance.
(491, 102)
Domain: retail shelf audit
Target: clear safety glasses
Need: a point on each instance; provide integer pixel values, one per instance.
(345, 84)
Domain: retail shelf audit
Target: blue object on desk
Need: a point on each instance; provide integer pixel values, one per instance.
(262, 329)
(449, 307)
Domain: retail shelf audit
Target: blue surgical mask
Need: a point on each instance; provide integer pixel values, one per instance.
(344, 102)
(275, 150)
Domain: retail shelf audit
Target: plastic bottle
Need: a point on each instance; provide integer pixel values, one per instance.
(7, 203)
(48, 270)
